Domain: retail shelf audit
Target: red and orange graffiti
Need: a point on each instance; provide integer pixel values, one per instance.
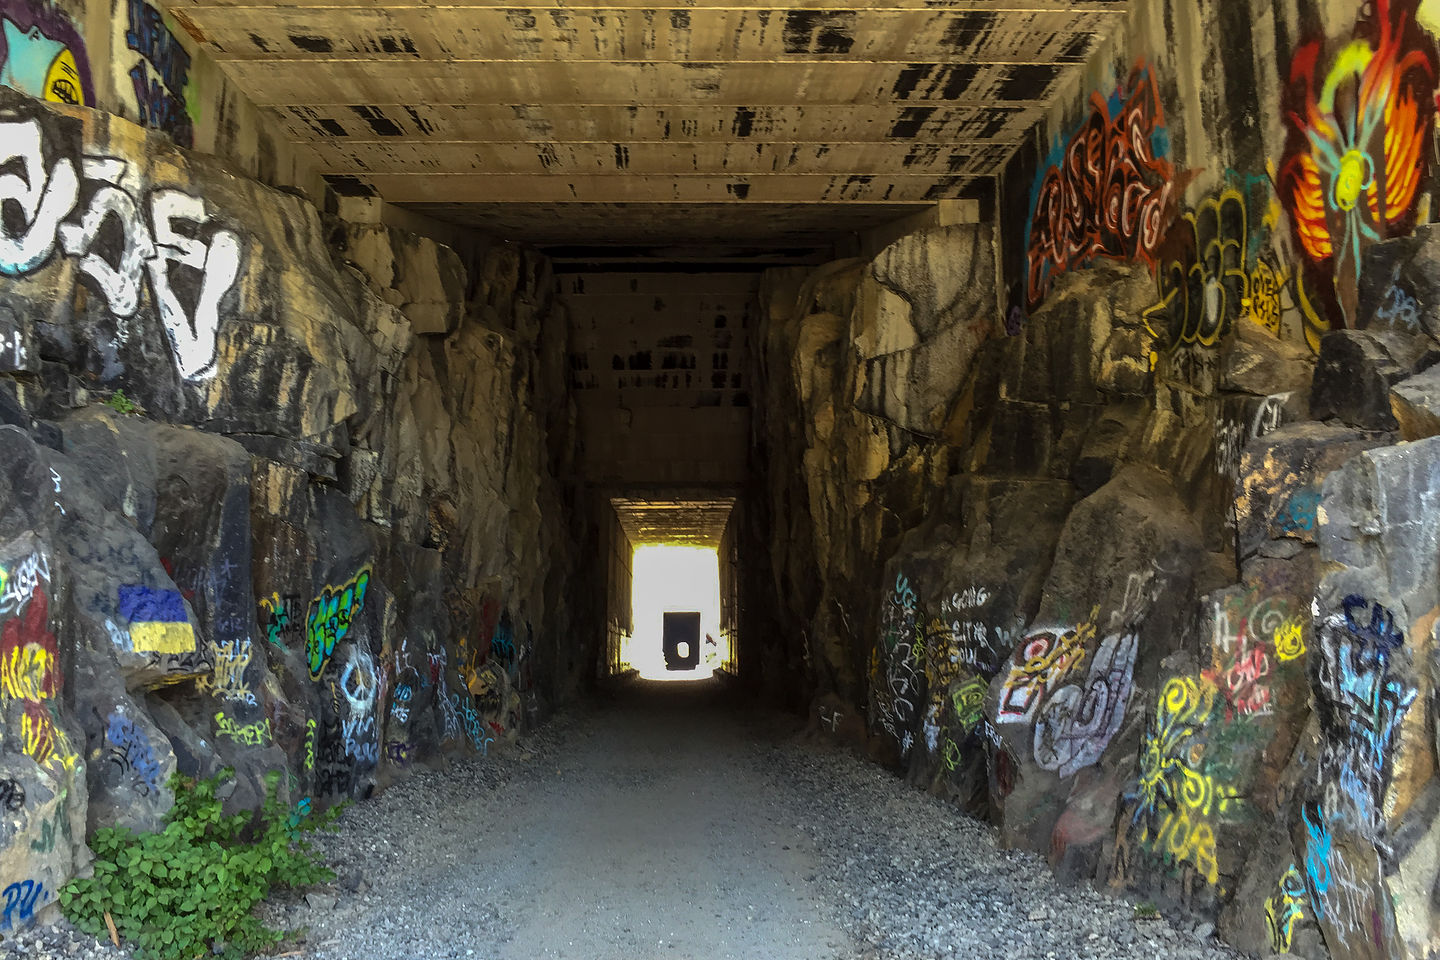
(1357, 152)
(1108, 193)
(30, 673)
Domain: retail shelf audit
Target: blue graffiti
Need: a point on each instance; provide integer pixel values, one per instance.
(1317, 856)
(21, 900)
(1300, 512)
(161, 98)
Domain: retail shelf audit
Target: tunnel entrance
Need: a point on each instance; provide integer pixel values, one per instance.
(672, 587)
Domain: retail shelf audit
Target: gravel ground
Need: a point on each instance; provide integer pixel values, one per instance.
(668, 823)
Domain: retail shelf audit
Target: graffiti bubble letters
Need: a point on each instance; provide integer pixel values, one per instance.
(1204, 288)
(160, 99)
(30, 673)
(132, 755)
(1079, 720)
(1107, 192)
(185, 235)
(21, 899)
(331, 615)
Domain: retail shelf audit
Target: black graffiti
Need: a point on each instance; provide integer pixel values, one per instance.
(12, 795)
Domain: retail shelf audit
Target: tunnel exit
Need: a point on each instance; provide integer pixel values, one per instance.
(675, 609)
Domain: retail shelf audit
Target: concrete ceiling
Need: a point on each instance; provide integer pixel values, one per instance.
(702, 121)
(697, 523)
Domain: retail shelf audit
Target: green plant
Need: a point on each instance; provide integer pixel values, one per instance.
(120, 403)
(189, 889)
(1145, 910)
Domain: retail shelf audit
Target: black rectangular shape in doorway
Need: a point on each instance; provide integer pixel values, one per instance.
(682, 641)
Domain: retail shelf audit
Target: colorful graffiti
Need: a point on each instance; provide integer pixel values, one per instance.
(1359, 131)
(279, 616)
(157, 229)
(161, 98)
(897, 666)
(1107, 192)
(42, 54)
(1078, 720)
(30, 673)
(1042, 661)
(1175, 799)
(1285, 908)
(332, 614)
(158, 620)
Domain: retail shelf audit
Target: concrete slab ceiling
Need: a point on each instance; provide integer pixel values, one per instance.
(695, 523)
(702, 122)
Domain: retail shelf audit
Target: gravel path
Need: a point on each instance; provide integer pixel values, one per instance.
(668, 823)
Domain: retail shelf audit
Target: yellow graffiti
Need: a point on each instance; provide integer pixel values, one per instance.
(251, 734)
(1284, 908)
(25, 673)
(1290, 639)
(227, 679)
(1263, 304)
(1188, 842)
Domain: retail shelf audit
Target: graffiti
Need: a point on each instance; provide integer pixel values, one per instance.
(310, 744)
(131, 754)
(1360, 705)
(1242, 665)
(158, 620)
(1107, 192)
(1269, 415)
(1266, 284)
(1042, 661)
(1397, 307)
(279, 616)
(1289, 638)
(227, 679)
(1357, 150)
(968, 703)
(30, 672)
(250, 734)
(12, 795)
(1171, 791)
(400, 702)
(331, 616)
(1204, 286)
(449, 716)
(42, 54)
(21, 899)
(1300, 513)
(1285, 908)
(830, 718)
(161, 98)
(20, 582)
(1229, 442)
(170, 228)
(1079, 719)
(57, 826)
(399, 753)
(897, 665)
(469, 720)
(1339, 893)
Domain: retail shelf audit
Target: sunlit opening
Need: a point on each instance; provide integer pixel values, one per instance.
(677, 581)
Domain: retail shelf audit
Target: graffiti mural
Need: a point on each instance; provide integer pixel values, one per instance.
(42, 54)
(160, 75)
(331, 615)
(1078, 720)
(1359, 120)
(1107, 192)
(124, 233)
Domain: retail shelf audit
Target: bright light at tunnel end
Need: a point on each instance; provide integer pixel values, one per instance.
(677, 579)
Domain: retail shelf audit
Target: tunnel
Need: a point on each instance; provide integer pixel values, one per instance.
(710, 478)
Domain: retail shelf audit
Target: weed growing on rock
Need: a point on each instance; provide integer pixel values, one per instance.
(189, 889)
(120, 403)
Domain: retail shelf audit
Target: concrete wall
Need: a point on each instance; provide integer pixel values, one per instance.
(658, 361)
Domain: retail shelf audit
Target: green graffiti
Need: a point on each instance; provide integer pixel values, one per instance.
(331, 615)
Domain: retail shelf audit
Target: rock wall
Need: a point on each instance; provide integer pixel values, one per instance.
(279, 492)
(1142, 566)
